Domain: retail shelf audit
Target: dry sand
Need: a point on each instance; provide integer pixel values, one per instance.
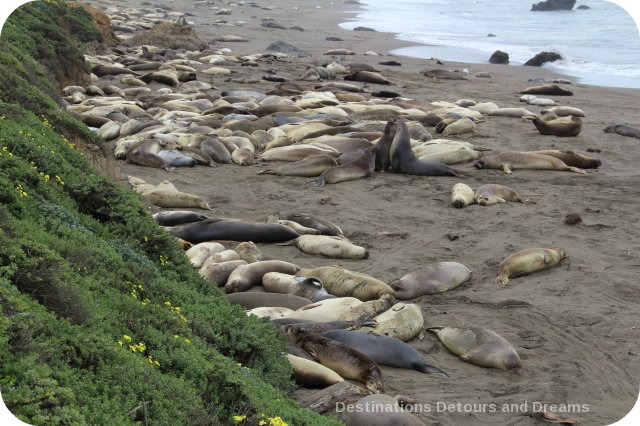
(575, 326)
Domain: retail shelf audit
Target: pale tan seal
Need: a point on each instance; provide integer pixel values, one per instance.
(262, 299)
(547, 89)
(307, 287)
(165, 198)
(559, 127)
(311, 374)
(369, 309)
(493, 193)
(199, 253)
(512, 160)
(431, 279)
(461, 195)
(248, 252)
(326, 310)
(528, 261)
(361, 168)
(271, 312)
(300, 229)
(218, 273)
(571, 158)
(342, 359)
(460, 126)
(480, 346)
(247, 276)
(329, 246)
(453, 156)
(311, 166)
(403, 321)
(343, 282)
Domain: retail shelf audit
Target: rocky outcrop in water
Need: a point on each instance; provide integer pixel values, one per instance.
(542, 58)
(499, 57)
(550, 5)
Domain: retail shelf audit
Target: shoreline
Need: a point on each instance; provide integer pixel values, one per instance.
(571, 325)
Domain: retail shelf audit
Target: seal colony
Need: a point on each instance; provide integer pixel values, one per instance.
(245, 128)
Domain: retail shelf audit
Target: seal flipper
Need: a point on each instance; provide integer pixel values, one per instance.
(427, 368)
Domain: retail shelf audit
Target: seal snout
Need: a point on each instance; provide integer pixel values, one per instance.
(479, 164)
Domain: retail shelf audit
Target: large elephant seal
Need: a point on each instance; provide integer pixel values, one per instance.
(249, 275)
(307, 287)
(177, 217)
(311, 374)
(383, 162)
(261, 299)
(329, 246)
(547, 89)
(624, 130)
(343, 282)
(380, 410)
(528, 261)
(403, 160)
(218, 229)
(403, 321)
(461, 195)
(347, 362)
(384, 350)
(492, 193)
(571, 158)
(512, 160)
(559, 127)
(480, 346)
(432, 279)
(361, 168)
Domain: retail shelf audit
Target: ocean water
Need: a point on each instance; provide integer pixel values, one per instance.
(599, 46)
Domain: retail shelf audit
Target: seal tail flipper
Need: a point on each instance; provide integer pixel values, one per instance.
(430, 369)
(576, 170)
(287, 243)
(315, 182)
(502, 279)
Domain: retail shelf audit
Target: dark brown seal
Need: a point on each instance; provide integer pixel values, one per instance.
(571, 158)
(344, 360)
(559, 127)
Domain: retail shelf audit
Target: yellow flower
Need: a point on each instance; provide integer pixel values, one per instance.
(127, 338)
(276, 421)
(238, 419)
(187, 340)
(120, 343)
(262, 423)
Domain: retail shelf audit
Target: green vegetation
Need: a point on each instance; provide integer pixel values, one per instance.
(103, 320)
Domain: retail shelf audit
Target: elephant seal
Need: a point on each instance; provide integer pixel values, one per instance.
(199, 253)
(367, 77)
(403, 321)
(624, 130)
(218, 273)
(176, 159)
(271, 312)
(179, 199)
(480, 346)
(442, 74)
(343, 282)
(384, 350)
(347, 362)
(148, 159)
(453, 156)
(321, 327)
(261, 299)
(218, 229)
(571, 158)
(559, 126)
(432, 279)
(460, 126)
(492, 193)
(311, 374)
(305, 219)
(248, 252)
(512, 160)
(302, 230)
(329, 246)
(361, 168)
(403, 160)
(177, 217)
(383, 162)
(370, 309)
(249, 275)
(547, 89)
(307, 167)
(326, 310)
(528, 261)
(380, 410)
(307, 287)
(461, 195)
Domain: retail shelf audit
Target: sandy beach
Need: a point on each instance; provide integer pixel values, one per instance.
(575, 325)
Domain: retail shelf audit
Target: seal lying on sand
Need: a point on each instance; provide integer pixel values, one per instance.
(431, 279)
(361, 168)
(388, 411)
(218, 229)
(527, 261)
(559, 126)
(624, 130)
(480, 346)
(571, 158)
(512, 160)
(492, 193)
(347, 362)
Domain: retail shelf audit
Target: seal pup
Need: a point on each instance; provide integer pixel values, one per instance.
(306, 219)
(528, 261)
(493, 193)
(479, 346)
(384, 350)
(347, 362)
(307, 287)
(329, 246)
(461, 195)
(559, 127)
(442, 74)
(547, 89)
(343, 282)
(326, 310)
(168, 198)
(624, 130)
(403, 160)
(403, 321)
(311, 374)
(513, 160)
(218, 273)
(432, 279)
(248, 252)
(369, 309)
(302, 230)
(249, 275)
(361, 168)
